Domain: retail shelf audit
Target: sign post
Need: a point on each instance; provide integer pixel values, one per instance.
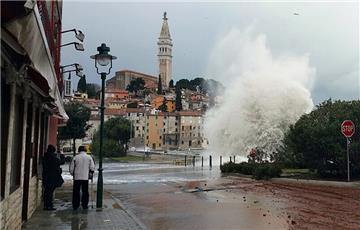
(348, 129)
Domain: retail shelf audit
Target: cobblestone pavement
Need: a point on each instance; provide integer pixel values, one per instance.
(113, 216)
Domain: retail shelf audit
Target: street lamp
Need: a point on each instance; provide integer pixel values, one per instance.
(78, 34)
(103, 58)
(77, 66)
(78, 46)
(78, 69)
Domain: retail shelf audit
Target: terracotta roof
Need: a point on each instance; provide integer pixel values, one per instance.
(109, 111)
(134, 110)
(190, 113)
(114, 90)
(119, 100)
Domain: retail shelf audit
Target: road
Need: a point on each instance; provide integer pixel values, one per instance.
(177, 197)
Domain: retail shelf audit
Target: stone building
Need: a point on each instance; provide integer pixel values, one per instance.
(31, 102)
(123, 78)
(165, 53)
(163, 131)
(191, 130)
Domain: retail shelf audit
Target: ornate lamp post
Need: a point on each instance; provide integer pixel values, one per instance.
(102, 60)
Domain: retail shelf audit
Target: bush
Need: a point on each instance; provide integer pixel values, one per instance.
(228, 167)
(258, 170)
(266, 171)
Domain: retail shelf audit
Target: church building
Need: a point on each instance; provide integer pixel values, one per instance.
(165, 53)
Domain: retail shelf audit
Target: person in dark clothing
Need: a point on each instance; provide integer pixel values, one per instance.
(51, 175)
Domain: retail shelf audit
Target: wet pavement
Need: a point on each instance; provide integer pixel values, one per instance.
(178, 197)
(112, 216)
(165, 196)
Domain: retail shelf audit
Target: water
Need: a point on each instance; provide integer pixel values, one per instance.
(121, 173)
(264, 94)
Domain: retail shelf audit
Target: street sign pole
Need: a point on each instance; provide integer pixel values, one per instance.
(348, 129)
(347, 156)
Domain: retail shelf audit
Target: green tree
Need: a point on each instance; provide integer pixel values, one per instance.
(163, 107)
(171, 83)
(178, 104)
(198, 83)
(76, 126)
(92, 89)
(315, 140)
(159, 89)
(116, 137)
(132, 105)
(81, 87)
(136, 85)
(183, 84)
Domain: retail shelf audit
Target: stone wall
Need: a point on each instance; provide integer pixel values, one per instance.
(35, 195)
(11, 208)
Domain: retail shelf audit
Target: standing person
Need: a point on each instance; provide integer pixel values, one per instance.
(80, 167)
(51, 176)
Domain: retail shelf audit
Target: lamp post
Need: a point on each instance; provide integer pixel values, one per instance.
(103, 58)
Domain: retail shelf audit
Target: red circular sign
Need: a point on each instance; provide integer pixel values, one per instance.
(348, 128)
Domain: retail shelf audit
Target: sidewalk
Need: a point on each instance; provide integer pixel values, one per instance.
(113, 216)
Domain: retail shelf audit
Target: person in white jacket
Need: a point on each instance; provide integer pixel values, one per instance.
(80, 168)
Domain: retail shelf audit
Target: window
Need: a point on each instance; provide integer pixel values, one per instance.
(175, 123)
(176, 130)
(137, 127)
(5, 106)
(160, 137)
(15, 174)
(199, 142)
(190, 127)
(189, 143)
(182, 142)
(147, 137)
(182, 128)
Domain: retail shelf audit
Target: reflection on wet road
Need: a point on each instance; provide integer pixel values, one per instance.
(133, 173)
(177, 197)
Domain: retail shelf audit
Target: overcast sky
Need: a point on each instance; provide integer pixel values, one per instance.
(326, 31)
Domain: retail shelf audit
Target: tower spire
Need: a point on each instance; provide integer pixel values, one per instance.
(165, 53)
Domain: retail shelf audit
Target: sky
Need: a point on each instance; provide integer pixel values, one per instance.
(327, 32)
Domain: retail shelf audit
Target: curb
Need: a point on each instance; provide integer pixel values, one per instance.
(129, 212)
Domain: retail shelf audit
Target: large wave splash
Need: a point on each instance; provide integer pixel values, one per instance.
(264, 94)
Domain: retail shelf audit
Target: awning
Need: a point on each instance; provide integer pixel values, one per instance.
(30, 34)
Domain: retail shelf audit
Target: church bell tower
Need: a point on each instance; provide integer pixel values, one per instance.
(165, 53)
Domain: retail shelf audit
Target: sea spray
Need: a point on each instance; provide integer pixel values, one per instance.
(264, 94)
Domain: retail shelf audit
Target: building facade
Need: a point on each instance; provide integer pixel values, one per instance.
(123, 78)
(31, 102)
(165, 46)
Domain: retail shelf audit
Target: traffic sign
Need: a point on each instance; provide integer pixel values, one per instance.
(347, 128)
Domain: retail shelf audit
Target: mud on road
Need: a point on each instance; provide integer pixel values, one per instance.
(306, 206)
